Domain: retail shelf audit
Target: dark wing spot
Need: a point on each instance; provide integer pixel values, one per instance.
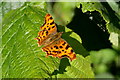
(52, 23)
(48, 28)
(51, 18)
(55, 51)
(46, 32)
(51, 48)
(62, 50)
(53, 26)
(65, 56)
(47, 51)
(64, 43)
(61, 47)
(67, 47)
(56, 47)
(65, 51)
(44, 28)
(38, 40)
(43, 36)
(71, 51)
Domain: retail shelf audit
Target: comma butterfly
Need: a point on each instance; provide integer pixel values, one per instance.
(54, 45)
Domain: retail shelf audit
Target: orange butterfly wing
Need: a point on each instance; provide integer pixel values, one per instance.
(49, 28)
(60, 49)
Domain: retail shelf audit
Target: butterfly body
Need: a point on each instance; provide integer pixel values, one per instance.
(54, 45)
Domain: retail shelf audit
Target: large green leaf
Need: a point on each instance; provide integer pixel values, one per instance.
(22, 58)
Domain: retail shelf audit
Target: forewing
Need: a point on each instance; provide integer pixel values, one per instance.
(48, 29)
(49, 24)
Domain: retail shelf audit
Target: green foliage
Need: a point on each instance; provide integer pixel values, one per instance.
(89, 27)
(22, 58)
(112, 18)
(101, 59)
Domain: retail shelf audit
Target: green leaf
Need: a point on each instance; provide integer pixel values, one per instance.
(22, 58)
